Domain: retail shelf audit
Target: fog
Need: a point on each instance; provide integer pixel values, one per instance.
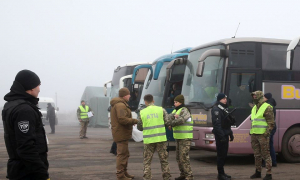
(73, 44)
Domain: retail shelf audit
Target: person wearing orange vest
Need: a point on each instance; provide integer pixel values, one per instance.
(153, 121)
(82, 115)
(182, 124)
(262, 118)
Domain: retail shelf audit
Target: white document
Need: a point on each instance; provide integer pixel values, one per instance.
(189, 120)
(90, 114)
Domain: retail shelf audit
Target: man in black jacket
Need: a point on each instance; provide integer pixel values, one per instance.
(51, 117)
(222, 132)
(24, 133)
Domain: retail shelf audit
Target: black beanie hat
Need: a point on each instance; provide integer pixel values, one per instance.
(28, 79)
(220, 96)
(268, 95)
(179, 98)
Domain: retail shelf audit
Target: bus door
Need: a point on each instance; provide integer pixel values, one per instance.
(174, 79)
(173, 86)
(137, 82)
(240, 83)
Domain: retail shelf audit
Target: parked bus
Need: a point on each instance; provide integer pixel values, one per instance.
(238, 66)
(122, 78)
(164, 90)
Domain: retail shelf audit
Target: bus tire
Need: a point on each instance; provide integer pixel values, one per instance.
(290, 149)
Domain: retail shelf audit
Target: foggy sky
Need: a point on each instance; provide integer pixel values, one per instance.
(74, 44)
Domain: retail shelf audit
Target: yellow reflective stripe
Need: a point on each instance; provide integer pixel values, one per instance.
(259, 126)
(154, 127)
(178, 131)
(154, 135)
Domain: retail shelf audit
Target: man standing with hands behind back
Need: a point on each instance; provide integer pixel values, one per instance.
(24, 133)
(121, 127)
(82, 115)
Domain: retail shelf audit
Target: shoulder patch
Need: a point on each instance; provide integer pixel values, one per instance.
(216, 113)
(23, 126)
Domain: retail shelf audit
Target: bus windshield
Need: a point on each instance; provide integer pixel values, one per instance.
(118, 74)
(203, 90)
(156, 87)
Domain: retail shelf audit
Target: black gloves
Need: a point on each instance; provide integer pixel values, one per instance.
(231, 137)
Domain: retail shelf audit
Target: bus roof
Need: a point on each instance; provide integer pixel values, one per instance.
(133, 64)
(244, 39)
(170, 57)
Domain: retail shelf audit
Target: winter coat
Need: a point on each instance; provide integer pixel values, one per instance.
(221, 126)
(24, 136)
(121, 119)
(50, 113)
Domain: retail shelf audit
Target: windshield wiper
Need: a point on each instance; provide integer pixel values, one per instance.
(201, 104)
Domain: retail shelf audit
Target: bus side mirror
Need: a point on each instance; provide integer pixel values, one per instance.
(212, 52)
(200, 69)
(290, 52)
(57, 109)
(289, 59)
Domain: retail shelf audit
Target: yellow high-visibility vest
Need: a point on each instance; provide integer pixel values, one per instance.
(83, 112)
(259, 123)
(184, 131)
(153, 125)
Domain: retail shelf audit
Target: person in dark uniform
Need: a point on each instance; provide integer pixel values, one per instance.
(24, 133)
(222, 132)
(51, 117)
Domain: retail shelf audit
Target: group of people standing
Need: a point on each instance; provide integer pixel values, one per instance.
(153, 121)
(27, 148)
(263, 127)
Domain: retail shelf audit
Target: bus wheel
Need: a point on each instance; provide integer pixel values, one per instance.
(291, 145)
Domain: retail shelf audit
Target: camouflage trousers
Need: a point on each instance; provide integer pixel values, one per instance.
(260, 146)
(161, 148)
(83, 128)
(183, 159)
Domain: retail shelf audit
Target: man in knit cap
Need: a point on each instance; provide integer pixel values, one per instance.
(222, 122)
(24, 133)
(182, 124)
(121, 127)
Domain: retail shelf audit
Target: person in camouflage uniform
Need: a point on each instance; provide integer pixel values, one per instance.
(152, 121)
(83, 119)
(180, 120)
(262, 112)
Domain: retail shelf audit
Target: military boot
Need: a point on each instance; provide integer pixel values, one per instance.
(124, 178)
(257, 174)
(223, 177)
(128, 175)
(268, 177)
(180, 178)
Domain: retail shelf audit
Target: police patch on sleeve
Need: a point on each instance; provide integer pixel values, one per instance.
(216, 113)
(23, 126)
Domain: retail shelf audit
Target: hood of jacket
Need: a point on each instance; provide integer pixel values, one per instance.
(17, 91)
(272, 102)
(260, 98)
(117, 100)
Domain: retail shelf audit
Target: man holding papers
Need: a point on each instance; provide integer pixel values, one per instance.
(84, 112)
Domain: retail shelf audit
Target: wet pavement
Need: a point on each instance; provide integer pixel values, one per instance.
(72, 158)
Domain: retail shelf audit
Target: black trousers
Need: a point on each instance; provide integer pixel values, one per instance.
(52, 125)
(222, 150)
(113, 148)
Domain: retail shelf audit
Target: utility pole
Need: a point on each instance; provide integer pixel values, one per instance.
(56, 99)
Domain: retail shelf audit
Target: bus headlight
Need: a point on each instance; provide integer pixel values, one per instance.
(209, 136)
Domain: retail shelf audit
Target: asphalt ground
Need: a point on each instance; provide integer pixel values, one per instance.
(72, 158)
